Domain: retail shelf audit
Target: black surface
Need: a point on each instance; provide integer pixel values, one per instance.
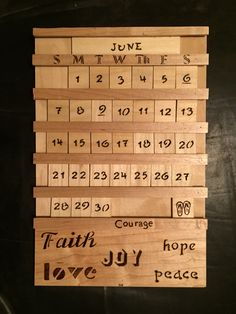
(17, 293)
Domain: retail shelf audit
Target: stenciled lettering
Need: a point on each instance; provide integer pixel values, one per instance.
(176, 275)
(181, 247)
(127, 46)
(144, 224)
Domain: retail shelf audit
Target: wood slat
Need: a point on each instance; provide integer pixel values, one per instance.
(196, 159)
(194, 192)
(75, 93)
(150, 59)
(121, 31)
(121, 127)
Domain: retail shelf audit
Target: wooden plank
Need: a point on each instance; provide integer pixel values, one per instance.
(120, 252)
(194, 192)
(121, 127)
(45, 77)
(121, 31)
(140, 59)
(195, 159)
(87, 94)
(53, 45)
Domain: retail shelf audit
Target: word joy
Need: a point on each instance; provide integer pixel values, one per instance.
(122, 258)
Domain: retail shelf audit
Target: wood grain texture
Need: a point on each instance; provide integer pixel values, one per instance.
(121, 31)
(120, 252)
(89, 93)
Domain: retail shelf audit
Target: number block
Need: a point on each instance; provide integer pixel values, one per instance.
(182, 208)
(80, 110)
(120, 175)
(123, 143)
(164, 143)
(186, 110)
(102, 110)
(161, 175)
(165, 110)
(186, 77)
(140, 175)
(99, 175)
(79, 77)
(186, 143)
(164, 77)
(81, 207)
(58, 110)
(78, 175)
(57, 142)
(143, 111)
(120, 77)
(51, 77)
(61, 207)
(101, 207)
(79, 143)
(99, 77)
(142, 77)
(102, 143)
(123, 110)
(143, 143)
(181, 175)
(58, 175)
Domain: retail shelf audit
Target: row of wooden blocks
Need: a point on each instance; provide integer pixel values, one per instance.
(120, 175)
(120, 110)
(117, 77)
(115, 207)
(86, 142)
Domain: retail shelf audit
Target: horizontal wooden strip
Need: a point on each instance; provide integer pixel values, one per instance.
(147, 60)
(194, 192)
(121, 31)
(90, 93)
(196, 159)
(121, 127)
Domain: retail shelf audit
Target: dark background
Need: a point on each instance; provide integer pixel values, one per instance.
(17, 293)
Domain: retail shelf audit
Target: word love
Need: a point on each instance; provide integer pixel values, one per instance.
(122, 258)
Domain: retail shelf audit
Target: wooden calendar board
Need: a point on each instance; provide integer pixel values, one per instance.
(120, 132)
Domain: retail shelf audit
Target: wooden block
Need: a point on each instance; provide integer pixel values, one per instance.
(41, 175)
(140, 175)
(199, 207)
(124, 45)
(165, 110)
(81, 207)
(141, 207)
(200, 143)
(123, 110)
(161, 175)
(61, 207)
(144, 143)
(182, 175)
(101, 207)
(99, 77)
(191, 44)
(143, 111)
(187, 111)
(58, 110)
(120, 175)
(51, 77)
(57, 142)
(78, 175)
(120, 77)
(101, 143)
(80, 110)
(186, 77)
(41, 110)
(40, 142)
(43, 207)
(186, 143)
(178, 245)
(78, 77)
(53, 46)
(183, 208)
(123, 143)
(99, 175)
(142, 77)
(79, 143)
(58, 175)
(201, 110)
(164, 143)
(102, 110)
(164, 77)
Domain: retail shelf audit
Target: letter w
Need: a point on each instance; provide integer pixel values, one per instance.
(119, 59)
